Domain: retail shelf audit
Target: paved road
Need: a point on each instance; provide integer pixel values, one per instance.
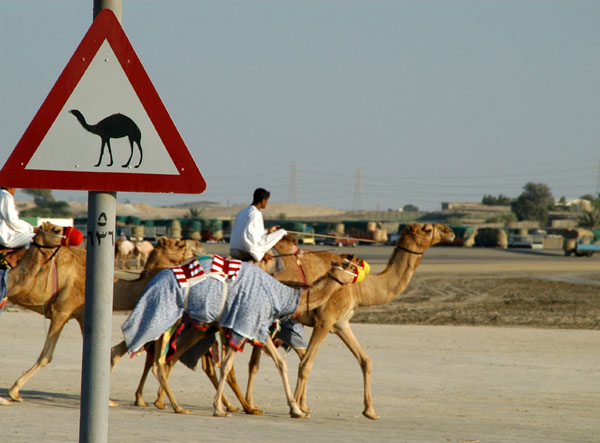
(452, 384)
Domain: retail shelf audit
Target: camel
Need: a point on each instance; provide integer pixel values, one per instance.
(334, 315)
(301, 268)
(113, 126)
(162, 294)
(36, 285)
(123, 251)
(50, 280)
(142, 251)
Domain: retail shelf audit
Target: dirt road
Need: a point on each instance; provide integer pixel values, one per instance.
(429, 384)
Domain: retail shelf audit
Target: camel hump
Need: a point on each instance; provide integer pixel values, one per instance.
(119, 125)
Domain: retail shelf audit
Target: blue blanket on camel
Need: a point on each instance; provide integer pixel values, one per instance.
(247, 303)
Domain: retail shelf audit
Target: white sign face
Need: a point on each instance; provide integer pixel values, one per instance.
(109, 122)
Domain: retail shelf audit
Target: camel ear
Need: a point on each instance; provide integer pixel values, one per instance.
(162, 242)
(428, 228)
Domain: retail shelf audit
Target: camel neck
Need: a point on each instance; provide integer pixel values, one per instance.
(22, 278)
(382, 288)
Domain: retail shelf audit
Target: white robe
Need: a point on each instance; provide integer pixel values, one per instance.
(14, 232)
(249, 234)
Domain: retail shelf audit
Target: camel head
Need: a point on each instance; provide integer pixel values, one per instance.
(171, 252)
(287, 245)
(418, 237)
(51, 235)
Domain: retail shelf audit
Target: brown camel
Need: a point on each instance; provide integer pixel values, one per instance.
(50, 280)
(334, 316)
(300, 269)
(113, 126)
(310, 299)
(34, 284)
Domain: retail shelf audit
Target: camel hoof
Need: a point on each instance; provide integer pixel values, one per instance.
(232, 408)
(217, 413)
(255, 411)
(112, 403)
(160, 404)
(141, 403)
(15, 396)
(298, 414)
(5, 402)
(371, 414)
(183, 411)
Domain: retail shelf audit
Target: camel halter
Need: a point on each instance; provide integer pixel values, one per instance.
(409, 251)
(359, 275)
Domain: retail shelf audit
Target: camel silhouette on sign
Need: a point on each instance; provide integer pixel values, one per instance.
(113, 126)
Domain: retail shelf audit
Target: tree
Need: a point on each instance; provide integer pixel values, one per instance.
(410, 208)
(195, 213)
(534, 203)
(590, 219)
(501, 200)
(589, 197)
(45, 205)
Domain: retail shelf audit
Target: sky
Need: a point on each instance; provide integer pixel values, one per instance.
(354, 104)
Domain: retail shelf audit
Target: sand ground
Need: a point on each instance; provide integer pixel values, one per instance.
(433, 381)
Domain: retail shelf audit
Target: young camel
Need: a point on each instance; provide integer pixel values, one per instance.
(147, 318)
(334, 316)
(50, 280)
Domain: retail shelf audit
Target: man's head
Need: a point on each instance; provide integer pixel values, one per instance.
(261, 197)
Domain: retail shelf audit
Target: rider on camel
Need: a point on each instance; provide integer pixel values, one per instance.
(15, 234)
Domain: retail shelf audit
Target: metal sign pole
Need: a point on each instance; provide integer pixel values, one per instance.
(99, 276)
(95, 369)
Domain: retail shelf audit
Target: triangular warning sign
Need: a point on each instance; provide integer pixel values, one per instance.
(103, 126)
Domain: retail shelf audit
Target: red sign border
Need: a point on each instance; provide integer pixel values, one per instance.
(106, 26)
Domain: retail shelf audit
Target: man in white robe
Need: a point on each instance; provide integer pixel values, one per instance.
(14, 232)
(249, 236)
(251, 242)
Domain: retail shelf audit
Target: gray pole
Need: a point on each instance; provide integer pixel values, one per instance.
(95, 368)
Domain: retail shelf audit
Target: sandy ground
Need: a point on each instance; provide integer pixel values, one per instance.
(432, 381)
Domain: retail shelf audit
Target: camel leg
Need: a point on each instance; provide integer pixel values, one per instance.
(116, 352)
(270, 349)
(249, 408)
(253, 366)
(226, 365)
(209, 369)
(56, 326)
(139, 392)
(130, 155)
(160, 373)
(101, 154)
(141, 155)
(306, 363)
(109, 152)
(160, 394)
(345, 333)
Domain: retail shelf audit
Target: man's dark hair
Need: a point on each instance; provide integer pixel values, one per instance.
(259, 195)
